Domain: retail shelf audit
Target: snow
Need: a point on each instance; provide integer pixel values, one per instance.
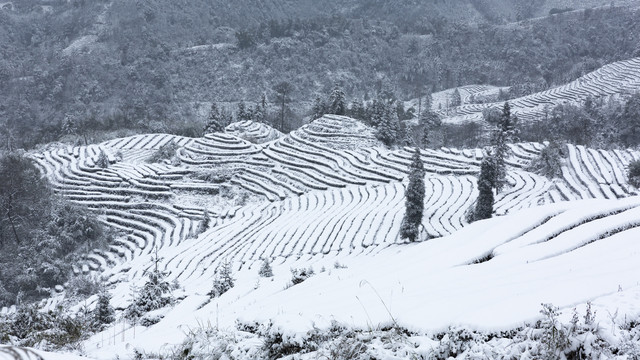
(327, 194)
(432, 285)
(79, 44)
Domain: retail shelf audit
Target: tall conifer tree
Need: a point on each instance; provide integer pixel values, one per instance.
(414, 199)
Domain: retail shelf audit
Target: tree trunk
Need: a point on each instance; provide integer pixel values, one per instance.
(13, 227)
(282, 113)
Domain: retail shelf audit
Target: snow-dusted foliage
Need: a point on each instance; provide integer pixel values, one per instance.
(223, 280)
(156, 293)
(265, 269)
(300, 275)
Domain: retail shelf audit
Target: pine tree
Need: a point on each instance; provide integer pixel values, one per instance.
(414, 199)
(265, 269)
(283, 89)
(505, 133)
(260, 111)
(223, 280)
(155, 294)
(387, 131)
(430, 122)
(103, 313)
(243, 113)
(375, 113)
(337, 101)
(318, 109)
(456, 100)
(103, 160)
(357, 110)
(69, 126)
(215, 123)
(484, 204)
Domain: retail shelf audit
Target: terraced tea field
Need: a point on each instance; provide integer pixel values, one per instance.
(622, 77)
(327, 188)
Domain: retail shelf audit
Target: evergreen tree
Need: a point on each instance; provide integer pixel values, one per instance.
(265, 269)
(337, 101)
(69, 126)
(406, 137)
(505, 133)
(319, 108)
(243, 113)
(375, 113)
(260, 111)
(215, 123)
(414, 199)
(155, 294)
(103, 313)
(484, 204)
(387, 131)
(283, 89)
(430, 122)
(456, 100)
(357, 110)
(549, 162)
(102, 161)
(223, 280)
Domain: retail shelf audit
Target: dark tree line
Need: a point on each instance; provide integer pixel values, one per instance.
(40, 234)
(154, 65)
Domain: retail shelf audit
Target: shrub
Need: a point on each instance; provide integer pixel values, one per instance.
(102, 161)
(204, 223)
(265, 269)
(103, 313)
(549, 162)
(50, 330)
(83, 285)
(554, 337)
(223, 280)
(155, 294)
(167, 151)
(633, 173)
(300, 275)
(149, 320)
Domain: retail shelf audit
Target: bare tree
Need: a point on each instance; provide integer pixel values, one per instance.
(283, 89)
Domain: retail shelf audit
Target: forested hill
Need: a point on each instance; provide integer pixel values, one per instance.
(156, 65)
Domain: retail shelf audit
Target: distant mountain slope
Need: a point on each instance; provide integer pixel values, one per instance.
(619, 78)
(151, 66)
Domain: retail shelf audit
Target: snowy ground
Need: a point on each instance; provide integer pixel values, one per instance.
(328, 197)
(554, 254)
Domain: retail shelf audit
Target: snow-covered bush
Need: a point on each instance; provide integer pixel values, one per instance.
(633, 174)
(456, 341)
(167, 151)
(300, 275)
(48, 330)
(155, 294)
(149, 320)
(82, 286)
(554, 335)
(102, 161)
(207, 342)
(103, 313)
(223, 280)
(265, 269)
(204, 223)
(549, 162)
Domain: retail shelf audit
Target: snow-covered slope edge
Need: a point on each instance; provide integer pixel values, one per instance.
(490, 276)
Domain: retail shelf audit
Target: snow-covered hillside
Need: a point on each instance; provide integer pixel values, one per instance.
(331, 197)
(622, 77)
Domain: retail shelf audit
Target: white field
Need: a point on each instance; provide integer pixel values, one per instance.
(622, 77)
(329, 193)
